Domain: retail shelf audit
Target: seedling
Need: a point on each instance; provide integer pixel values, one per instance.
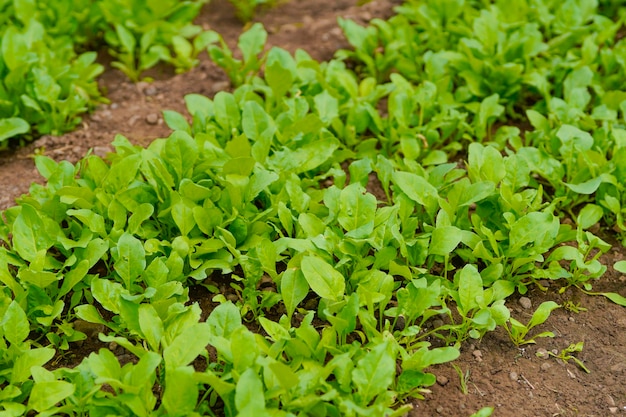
(518, 331)
(566, 354)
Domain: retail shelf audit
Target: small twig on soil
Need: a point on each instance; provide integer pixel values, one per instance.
(482, 394)
(527, 381)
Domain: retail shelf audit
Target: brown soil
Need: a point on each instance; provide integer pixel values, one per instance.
(513, 381)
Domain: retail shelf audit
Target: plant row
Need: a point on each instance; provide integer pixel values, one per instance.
(367, 221)
(48, 67)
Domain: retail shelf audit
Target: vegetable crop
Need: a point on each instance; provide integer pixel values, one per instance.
(45, 84)
(344, 210)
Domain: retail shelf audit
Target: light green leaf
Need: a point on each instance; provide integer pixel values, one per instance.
(589, 215)
(357, 209)
(26, 360)
(224, 319)
(130, 258)
(323, 278)
(12, 126)
(444, 240)
(15, 324)
(181, 391)
(415, 187)
(45, 395)
(151, 326)
(249, 398)
(374, 373)
(470, 288)
(293, 288)
(187, 345)
(542, 313)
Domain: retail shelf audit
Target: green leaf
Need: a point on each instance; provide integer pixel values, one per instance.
(374, 373)
(357, 209)
(589, 215)
(108, 293)
(306, 157)
(187, 345)
(252, 42)
(537, 228)
(616, 298)
(620, 266)
(27, 360)
(470, 288)
(542, 313)
(249, 398)
(15, 324)
(41, 279)
(176, 121)
(151, 326)
(224, 319)
(130, 258)
(12, 126)
(323, 278)
(181, 391)
(572, 137)
(180, 153)
(293, 288)
(45, 395)
(29, 233)
(587, 187)
(444, 240)
(415, 187)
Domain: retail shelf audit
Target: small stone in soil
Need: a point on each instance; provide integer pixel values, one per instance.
(545, 366)
(152, 118)
(613, 410)
(513, 376)
(442, 380)
(542, 353)
(478, 355)
(525, 302)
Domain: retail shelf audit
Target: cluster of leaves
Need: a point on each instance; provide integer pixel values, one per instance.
(246, 9)
(333, 204)
(45, 84)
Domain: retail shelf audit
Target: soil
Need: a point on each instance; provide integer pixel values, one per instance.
(512, 380)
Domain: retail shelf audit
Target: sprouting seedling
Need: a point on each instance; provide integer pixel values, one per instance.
(464, 377)
(566, 354)
(518, 331)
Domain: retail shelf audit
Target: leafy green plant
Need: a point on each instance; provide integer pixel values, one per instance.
(567, 354)
(246, 9)
(140, 36)
(518, 331)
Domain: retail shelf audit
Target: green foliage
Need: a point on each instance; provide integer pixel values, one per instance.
(341, 210)
(246, 9)
(45, 84)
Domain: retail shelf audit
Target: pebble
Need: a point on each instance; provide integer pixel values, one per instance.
(478, 355)
(545, 366)
(221, 86)
(150, 91)
(525, 302)
(440, 410)
(102, 151)
(114, 106)
(233, 297)
(542, 353)
(613, 410)
(437, 323)
(152, 118)
(513, 376)
(572, 319)
(442, 380)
